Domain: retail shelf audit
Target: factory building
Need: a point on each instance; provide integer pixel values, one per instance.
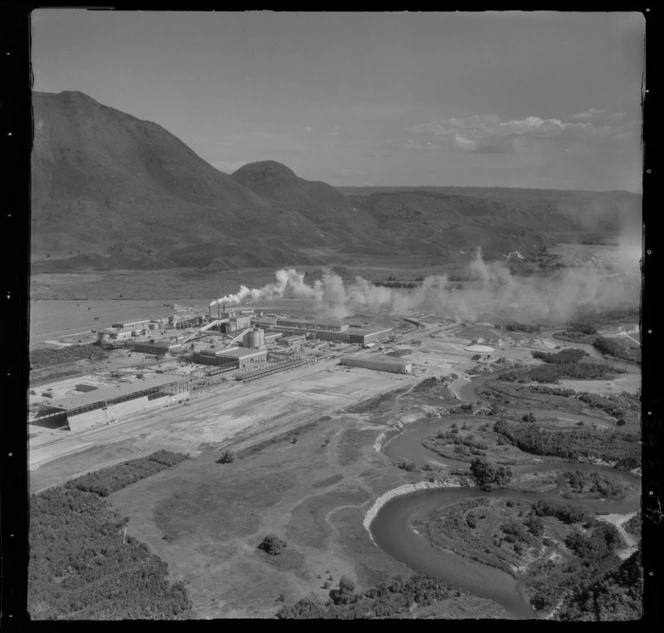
(106, 404)
(158, 348)
(295, 340)
(378, 363)
(236, 357)
(133, 325)
(182, 322)
(236, 323)
(311, 326)
(368, 336)
(271, 337)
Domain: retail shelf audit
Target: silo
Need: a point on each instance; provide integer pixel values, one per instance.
(257, 338)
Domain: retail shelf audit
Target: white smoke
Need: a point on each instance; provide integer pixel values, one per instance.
(552, 297)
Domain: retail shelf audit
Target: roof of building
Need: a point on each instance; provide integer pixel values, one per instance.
(368, 331)
(109, 393)
(305, 323)
(293, 337)
(242, 352)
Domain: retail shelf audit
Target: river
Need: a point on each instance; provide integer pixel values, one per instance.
(392, 528)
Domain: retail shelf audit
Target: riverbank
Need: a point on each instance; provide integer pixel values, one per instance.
(406, 489)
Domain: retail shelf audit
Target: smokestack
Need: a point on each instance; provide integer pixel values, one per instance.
(209, 313)
(218, 311)
(224, 307)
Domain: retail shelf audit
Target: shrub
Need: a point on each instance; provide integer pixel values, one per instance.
(226, 457)
(272, 545)
(406, 465)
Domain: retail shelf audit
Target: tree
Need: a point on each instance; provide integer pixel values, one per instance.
(345, 594)
(488, 475)
(272, 545)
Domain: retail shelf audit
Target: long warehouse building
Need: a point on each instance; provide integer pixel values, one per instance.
(106, 404)
(378, 363)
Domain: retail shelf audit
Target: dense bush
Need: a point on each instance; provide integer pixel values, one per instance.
(608, 445)
(613, 347)
(585, 327)
(385, 600)
(107, 480)
(594, 483)
(603, 540)
(46, 357)
(406, 465)
(82, 567)
(570, 355)
(564, 512)
(489, 475)
(552, 373)
(521, 327)
(617, 595)
(272, 545)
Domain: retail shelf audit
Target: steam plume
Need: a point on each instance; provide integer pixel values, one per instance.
(545, 298)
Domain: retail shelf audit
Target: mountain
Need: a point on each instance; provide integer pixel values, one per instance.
(110, 191)
(127, 193)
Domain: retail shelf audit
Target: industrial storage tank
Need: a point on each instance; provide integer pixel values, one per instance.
(257, 338)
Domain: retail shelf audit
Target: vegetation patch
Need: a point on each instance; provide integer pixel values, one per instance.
(610, 446)
(47, 357)
(551, 373)
(83, 568)
(555, 548)
(107, 480)
(580, 484)
(384, 600)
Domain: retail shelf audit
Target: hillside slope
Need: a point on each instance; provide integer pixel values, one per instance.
(127, 193)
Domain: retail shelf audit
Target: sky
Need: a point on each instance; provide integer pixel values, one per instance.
(536, 100)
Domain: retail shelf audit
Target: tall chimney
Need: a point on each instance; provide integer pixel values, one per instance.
(218, 311)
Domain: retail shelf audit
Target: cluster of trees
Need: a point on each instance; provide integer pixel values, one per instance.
(45, 357)
(522, 327)
(552, 373)
(593, 483)
(569, 355)
(463, 446)
(609, 446)
(613, 347)
(616, 595)
(107, 480)
(385, 600)
(603, 540)
(82, 566)
(564, 512)
(489, 475)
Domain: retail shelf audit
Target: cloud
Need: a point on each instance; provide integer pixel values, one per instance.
(488, 134)
(308, 129)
